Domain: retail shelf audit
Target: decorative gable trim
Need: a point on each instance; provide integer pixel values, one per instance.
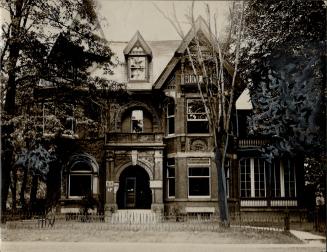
(138, 40)
(200, 26)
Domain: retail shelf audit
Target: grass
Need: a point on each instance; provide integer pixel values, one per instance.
(93, 233)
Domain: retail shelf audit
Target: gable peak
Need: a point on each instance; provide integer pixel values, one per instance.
(138, 40)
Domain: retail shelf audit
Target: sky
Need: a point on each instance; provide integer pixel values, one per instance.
(121, 19)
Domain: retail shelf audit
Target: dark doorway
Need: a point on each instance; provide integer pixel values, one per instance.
(134, 189)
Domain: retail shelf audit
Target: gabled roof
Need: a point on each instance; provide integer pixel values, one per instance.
(162, 52)
(200, 26)
(137, 38)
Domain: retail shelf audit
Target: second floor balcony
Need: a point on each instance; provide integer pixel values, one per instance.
(252, 142)
(142, 140)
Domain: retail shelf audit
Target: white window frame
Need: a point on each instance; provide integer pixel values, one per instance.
(282, 179)
(252, 178)
(171, 178)
(145, 68)
(200, 165)
(169, 117)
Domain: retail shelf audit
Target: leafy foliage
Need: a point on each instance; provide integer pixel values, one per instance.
(43, 40)
(36, 161)
(282, 60)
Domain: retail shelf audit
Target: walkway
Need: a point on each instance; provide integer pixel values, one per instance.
(150, 247)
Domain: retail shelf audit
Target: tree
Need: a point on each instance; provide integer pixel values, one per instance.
(217, 85)
(33, 26)
(283, 58)
(36, 162)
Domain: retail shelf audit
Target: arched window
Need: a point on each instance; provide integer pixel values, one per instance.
(82, 177)
(80, 180)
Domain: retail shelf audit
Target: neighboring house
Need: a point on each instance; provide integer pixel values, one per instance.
(156, 151)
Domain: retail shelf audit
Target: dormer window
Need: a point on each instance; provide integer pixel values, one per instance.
(137, 68)
(138, 57)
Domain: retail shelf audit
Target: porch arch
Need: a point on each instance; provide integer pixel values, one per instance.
(129, 164)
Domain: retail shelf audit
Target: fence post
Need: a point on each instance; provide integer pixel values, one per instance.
(287, 220)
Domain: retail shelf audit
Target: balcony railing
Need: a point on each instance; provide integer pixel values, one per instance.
(278, 202)
(134, 138)
(243, 143)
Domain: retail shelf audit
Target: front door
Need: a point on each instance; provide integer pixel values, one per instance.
(130, 192)
(134, 189)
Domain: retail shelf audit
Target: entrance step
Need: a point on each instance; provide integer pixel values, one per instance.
(139, 216)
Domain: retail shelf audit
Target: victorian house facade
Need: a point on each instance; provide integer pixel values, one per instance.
(156, 151)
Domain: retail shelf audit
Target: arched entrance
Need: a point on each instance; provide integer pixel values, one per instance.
(134, 189)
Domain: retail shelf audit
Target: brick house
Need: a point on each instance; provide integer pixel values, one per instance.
(157, 152)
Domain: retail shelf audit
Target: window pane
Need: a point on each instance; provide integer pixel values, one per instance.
(197, 127)
(276, 179)
(81, 166)
(171, 109)
(259, 178)
(289, 179)
(137, 62)
(198, 171)
(137, 121)
(199, 187)
(171, 187)
(80, 185)
(138, 74)
(171, 125)
(245, 178)
(170, 172)
(137, 68)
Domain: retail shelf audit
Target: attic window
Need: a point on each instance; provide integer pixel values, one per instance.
(137, 68)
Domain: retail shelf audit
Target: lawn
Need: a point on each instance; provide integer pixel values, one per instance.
(91, 233)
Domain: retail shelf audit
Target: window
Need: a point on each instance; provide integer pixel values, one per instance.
(245, 178)
(198, 179)
(137, 68)
(137, 121)
(289, 179)
(170, 118)
(283, 179)
(197, 121)
(80, 180)
(276, 178)
(253, 178)
(171, 177)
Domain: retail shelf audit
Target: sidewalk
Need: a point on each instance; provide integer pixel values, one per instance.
(150, 247)
(307, 237)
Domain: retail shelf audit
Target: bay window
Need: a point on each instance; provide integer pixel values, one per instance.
(197, 121)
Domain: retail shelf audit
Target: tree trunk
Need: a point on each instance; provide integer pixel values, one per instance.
(10, 98)
(35, 183)
(6, 161)
(14, 189)
(222, 197)
(22, 191)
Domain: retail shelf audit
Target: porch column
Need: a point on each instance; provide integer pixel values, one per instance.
(156, 184)
(110, 203)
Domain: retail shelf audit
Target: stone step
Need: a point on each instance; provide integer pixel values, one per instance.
(138, 216)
